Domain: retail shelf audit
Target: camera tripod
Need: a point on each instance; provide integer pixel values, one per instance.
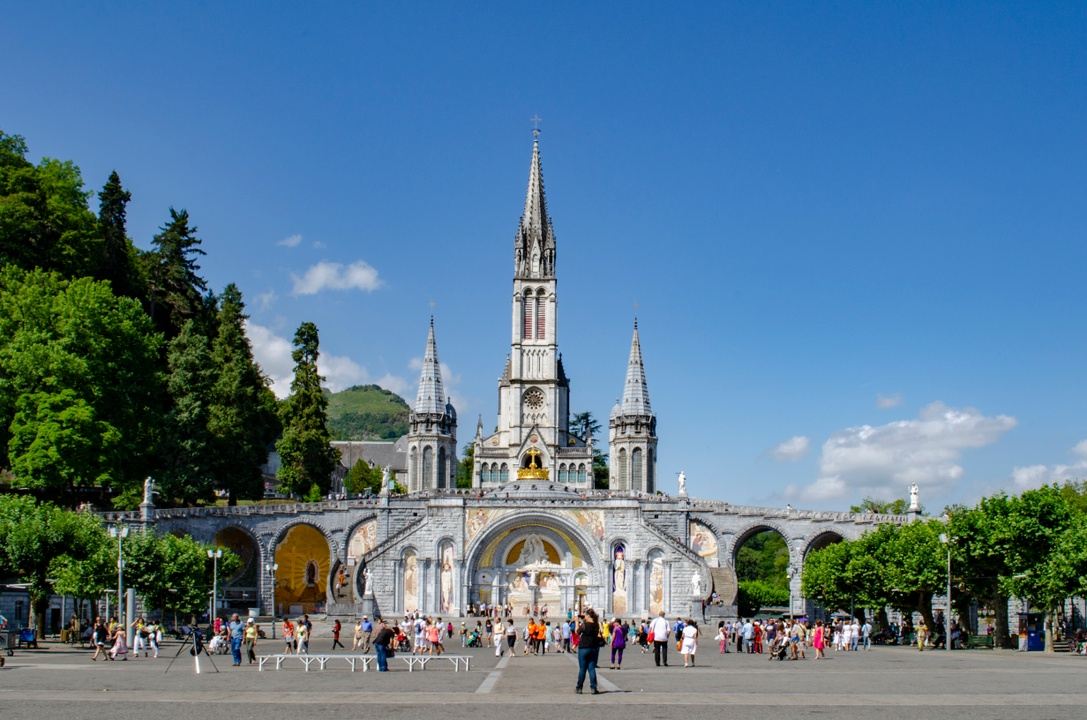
(194, 643)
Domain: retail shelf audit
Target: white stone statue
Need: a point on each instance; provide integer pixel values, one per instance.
(367, 587)
(682, 484)
(385, 484)
(696, 584)
(533, 552)
(148, 491)
(915, 504)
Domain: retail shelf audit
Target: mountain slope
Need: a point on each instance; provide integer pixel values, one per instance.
(366, 412)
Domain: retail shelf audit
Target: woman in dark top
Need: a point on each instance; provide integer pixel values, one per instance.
(588, 650)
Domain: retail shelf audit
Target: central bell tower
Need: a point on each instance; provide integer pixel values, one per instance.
(532, 434)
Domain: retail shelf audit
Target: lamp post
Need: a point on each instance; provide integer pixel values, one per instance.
(215, 555)
(120, 532)
(792, 574)
(946, 540)
(270, 569)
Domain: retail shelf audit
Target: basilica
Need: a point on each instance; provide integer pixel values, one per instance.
(532, 532)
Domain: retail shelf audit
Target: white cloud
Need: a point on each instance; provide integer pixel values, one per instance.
(1032, 476)
(884, 460)
(273, 353)
(266, 299)
(325, 275)
(794, 448)
(396, 384)
(886, 402)
(290, 241)
(1081, 449)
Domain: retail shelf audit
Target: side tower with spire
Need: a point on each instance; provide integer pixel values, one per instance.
(632, 430)
(432, 433)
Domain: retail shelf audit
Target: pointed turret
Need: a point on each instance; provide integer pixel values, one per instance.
(632, 430)
(534, 245)
(431, 396)
(635, 391)
(432, 427)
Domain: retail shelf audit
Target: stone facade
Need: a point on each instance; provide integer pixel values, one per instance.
(531, 532)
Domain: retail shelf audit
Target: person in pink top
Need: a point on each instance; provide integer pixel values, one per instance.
(818, 639)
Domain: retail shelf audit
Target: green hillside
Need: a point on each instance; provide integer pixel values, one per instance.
(366, 412)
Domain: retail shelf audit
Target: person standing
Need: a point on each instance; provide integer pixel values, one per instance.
(336, 629)
(588, 652)
(866, 635)
(288, 636)
(689, 646)
(922, 634)
(98, 637)
(659, 630)
(303, 637)
(236, 630)
(367, 633)
(250, 640)
(381, 646)
(618, 644)
(499, 639)
(819, 639)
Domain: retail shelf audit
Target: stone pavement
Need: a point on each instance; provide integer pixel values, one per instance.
(887, 683)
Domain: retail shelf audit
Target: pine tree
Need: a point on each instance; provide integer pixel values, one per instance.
(242, 416)
(116, 264)
(190, 450)
(306, 457)
(176, 292)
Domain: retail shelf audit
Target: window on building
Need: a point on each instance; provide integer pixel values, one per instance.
(636, 469)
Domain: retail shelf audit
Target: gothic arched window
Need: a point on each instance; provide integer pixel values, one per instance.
(428, 468)
(541, 314)
(622, 470)
(441, 468)
(636, 469)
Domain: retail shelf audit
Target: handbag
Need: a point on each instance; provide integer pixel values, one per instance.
(649, 638)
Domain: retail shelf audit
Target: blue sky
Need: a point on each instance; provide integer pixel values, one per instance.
(853, 233)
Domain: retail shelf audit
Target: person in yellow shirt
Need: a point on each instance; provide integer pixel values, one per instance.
(249, 637)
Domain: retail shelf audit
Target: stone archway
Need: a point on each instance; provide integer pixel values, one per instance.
(532, 562)
(304, 567)
(239, 591)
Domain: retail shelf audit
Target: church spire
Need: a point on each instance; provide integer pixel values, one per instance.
(635, 391)
(431, 396)
(534, 245)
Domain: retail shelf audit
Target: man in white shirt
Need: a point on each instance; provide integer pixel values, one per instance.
(866, 635)
(749, 636)
(659, 630)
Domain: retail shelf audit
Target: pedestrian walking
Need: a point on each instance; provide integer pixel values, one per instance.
(618, 644)
(658, 632)
(588, 651)
(336, 629)
(689, 645)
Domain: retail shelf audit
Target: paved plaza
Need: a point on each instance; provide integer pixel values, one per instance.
(887, 682)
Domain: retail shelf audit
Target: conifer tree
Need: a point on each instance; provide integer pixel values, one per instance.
(117, 252)
(176, 292)
(242, 416)
(189, 448)
(306, 457)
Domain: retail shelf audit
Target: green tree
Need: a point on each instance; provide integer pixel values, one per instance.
(37, 536)
(173, 573)
(363, 477)
(189, 449)
(466, 467)
(242, 415)
(176, 291)
(753, 595)
(306, 457)
(79, 383)
(118, 256)
(44, 218)
(884, 507)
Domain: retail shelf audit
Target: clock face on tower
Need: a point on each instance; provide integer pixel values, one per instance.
(533, 398)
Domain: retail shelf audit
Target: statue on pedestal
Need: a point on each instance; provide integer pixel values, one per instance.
(682, 484)
(915, 504)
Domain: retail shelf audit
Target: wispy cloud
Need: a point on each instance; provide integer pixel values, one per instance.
(792, 449)
(884, 460)
(290, 241)
(1032, 476)
(273, 353)
(266, 299)
(359, 275)
(886, 402)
